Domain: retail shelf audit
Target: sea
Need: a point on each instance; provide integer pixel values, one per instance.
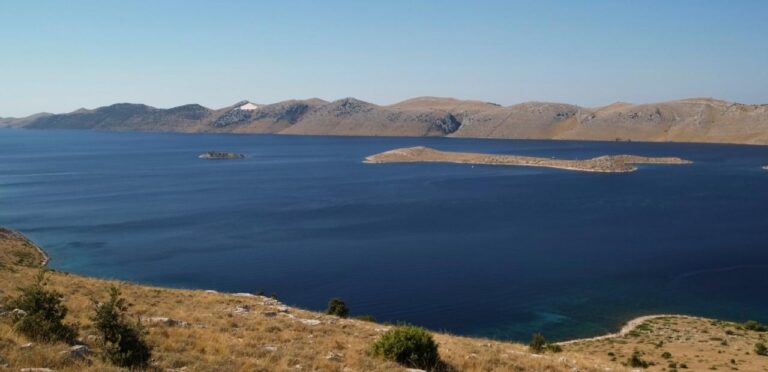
(493, 251)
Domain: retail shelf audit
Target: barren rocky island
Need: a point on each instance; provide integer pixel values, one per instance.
(604, 164)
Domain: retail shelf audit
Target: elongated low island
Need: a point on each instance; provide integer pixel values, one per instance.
(605, 164)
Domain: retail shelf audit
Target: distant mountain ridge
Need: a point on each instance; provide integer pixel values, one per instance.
(687, 120)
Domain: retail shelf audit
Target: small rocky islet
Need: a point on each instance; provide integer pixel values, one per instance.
(220, 155)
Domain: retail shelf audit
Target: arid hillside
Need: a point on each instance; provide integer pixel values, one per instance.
(204, 330)
(688, 120)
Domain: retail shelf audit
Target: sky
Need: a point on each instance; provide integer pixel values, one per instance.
(58, 56)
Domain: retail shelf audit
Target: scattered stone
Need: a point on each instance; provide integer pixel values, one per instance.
(244, 295)
(282, 309)
(210, 291)
(310, 321)
(28, 345)
(334, 357)
(271, 301)
(414, 370)
(270, 348)
(165, 321)
(77, 352)
(18, 313)
(242, 309)
(269, 314)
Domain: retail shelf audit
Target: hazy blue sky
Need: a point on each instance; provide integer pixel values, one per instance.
(61, 55)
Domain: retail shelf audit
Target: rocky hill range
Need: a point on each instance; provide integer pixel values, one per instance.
(687, 120)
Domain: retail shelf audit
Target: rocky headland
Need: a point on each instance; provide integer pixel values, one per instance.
(604, 164)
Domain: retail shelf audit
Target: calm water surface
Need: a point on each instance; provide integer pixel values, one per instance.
(477, 250)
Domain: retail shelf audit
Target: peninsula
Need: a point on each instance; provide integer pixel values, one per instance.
(603, 164)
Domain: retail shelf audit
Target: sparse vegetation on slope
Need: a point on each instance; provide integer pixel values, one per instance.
(210, 331)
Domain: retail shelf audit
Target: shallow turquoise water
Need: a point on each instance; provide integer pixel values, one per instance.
(493, 251)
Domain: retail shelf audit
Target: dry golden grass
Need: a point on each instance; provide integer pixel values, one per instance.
(697, 343)
(270, 337)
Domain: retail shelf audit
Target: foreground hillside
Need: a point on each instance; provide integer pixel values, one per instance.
(195, 330)
(689, 120)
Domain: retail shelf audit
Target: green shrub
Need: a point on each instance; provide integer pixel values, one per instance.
(122, 342)
(44, 313)
(666, 355)
(635, 361)
(338, 308)
(761, 349)
(538, 343)
(752, 325)
(409, 346)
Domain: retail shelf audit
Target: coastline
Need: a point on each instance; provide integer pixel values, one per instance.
(177, 317)
(355, 135)
(629, 326)
(626, 328)
(44, 257)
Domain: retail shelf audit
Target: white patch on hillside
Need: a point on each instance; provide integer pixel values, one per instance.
(248, 107)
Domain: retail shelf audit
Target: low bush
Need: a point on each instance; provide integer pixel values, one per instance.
(752, 325)
(539, 344)
(409, 346)
(122, 342)
(338, 308)
(635, 361)
(761, 349)
(42, 313)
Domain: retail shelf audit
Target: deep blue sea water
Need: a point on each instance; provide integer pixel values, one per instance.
(478, 250)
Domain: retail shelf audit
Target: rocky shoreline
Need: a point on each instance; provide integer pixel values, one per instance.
(602, 164)
(9, 234)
